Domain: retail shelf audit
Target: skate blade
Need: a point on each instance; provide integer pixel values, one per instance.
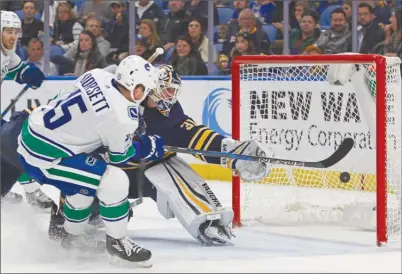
(115, 260)
(221, 240)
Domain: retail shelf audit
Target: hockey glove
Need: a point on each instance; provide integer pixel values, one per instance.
(31, 75)
(149, 147)
(248, 170)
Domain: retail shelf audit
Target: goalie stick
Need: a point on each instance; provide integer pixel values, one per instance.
(338, 155)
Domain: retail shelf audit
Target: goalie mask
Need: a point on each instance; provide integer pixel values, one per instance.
(11, 28)
(168, 89)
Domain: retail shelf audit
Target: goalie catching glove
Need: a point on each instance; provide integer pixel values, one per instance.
(248, 170)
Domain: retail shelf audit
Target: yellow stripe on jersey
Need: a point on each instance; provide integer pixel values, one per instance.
(133, 165)
(211, 139)
(201, 142)
(190, 145)
(204, 142)
(194, 199)
(204, 136)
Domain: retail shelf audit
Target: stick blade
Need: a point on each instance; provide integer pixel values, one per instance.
(339, 154)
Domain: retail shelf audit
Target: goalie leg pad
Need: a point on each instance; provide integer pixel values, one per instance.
(182, 193)
(113, 202)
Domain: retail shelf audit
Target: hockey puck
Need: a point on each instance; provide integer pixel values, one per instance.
(345, 177)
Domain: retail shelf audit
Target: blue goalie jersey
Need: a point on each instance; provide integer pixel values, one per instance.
(181, 131)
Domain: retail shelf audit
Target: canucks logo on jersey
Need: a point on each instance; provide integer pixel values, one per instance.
(133, 113)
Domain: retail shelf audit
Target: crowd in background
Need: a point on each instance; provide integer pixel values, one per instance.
(94, 34)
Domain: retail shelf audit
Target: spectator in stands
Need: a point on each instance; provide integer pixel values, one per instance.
(247, 23)
(11, 5)
(296, 10)
(306, 35)
(176, 23)
(186, 59)
(224, 65)
(393, 33)
(221, 35)
(66, 28)
(347, 8)
(239, 5)
(146, 9)
(264, 10)
(98, 8)
(117, 30)
(369, 32)
(196, 32)
(243, 45)
(35, 55)
(53, 11)
(323, 5)
(141, 49)
(338, 39)
(87, 55)
(150, 35)
(313, 50)
(233, 24)
(199, 8)
(382, 9)
(30, 25)
(93, 25)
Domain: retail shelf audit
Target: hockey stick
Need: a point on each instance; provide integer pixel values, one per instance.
(338, 155)
(158, 51)
(140, 185)
(140, 182)
(14, 101)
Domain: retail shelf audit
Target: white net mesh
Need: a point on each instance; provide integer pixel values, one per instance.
(293, 109)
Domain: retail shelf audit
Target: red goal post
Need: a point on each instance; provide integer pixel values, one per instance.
(255, 68)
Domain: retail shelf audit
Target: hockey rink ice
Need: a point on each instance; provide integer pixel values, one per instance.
(258, 247)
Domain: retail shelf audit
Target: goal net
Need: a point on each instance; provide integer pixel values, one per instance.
(288, 104)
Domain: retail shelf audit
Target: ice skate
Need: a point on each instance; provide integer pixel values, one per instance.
(39, 199)
(125, 252)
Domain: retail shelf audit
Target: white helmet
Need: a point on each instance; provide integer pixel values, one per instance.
(133, 71)
(9, 19)
(168, 89)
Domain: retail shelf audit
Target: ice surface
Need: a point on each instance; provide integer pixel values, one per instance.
(258, 248)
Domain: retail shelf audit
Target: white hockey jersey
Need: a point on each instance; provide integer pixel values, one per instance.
(91, 114)
(10, 64)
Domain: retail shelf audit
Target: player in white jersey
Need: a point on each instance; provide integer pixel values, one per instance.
(11, 64)
(177, 189)
(23, 73)
(55, 142)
